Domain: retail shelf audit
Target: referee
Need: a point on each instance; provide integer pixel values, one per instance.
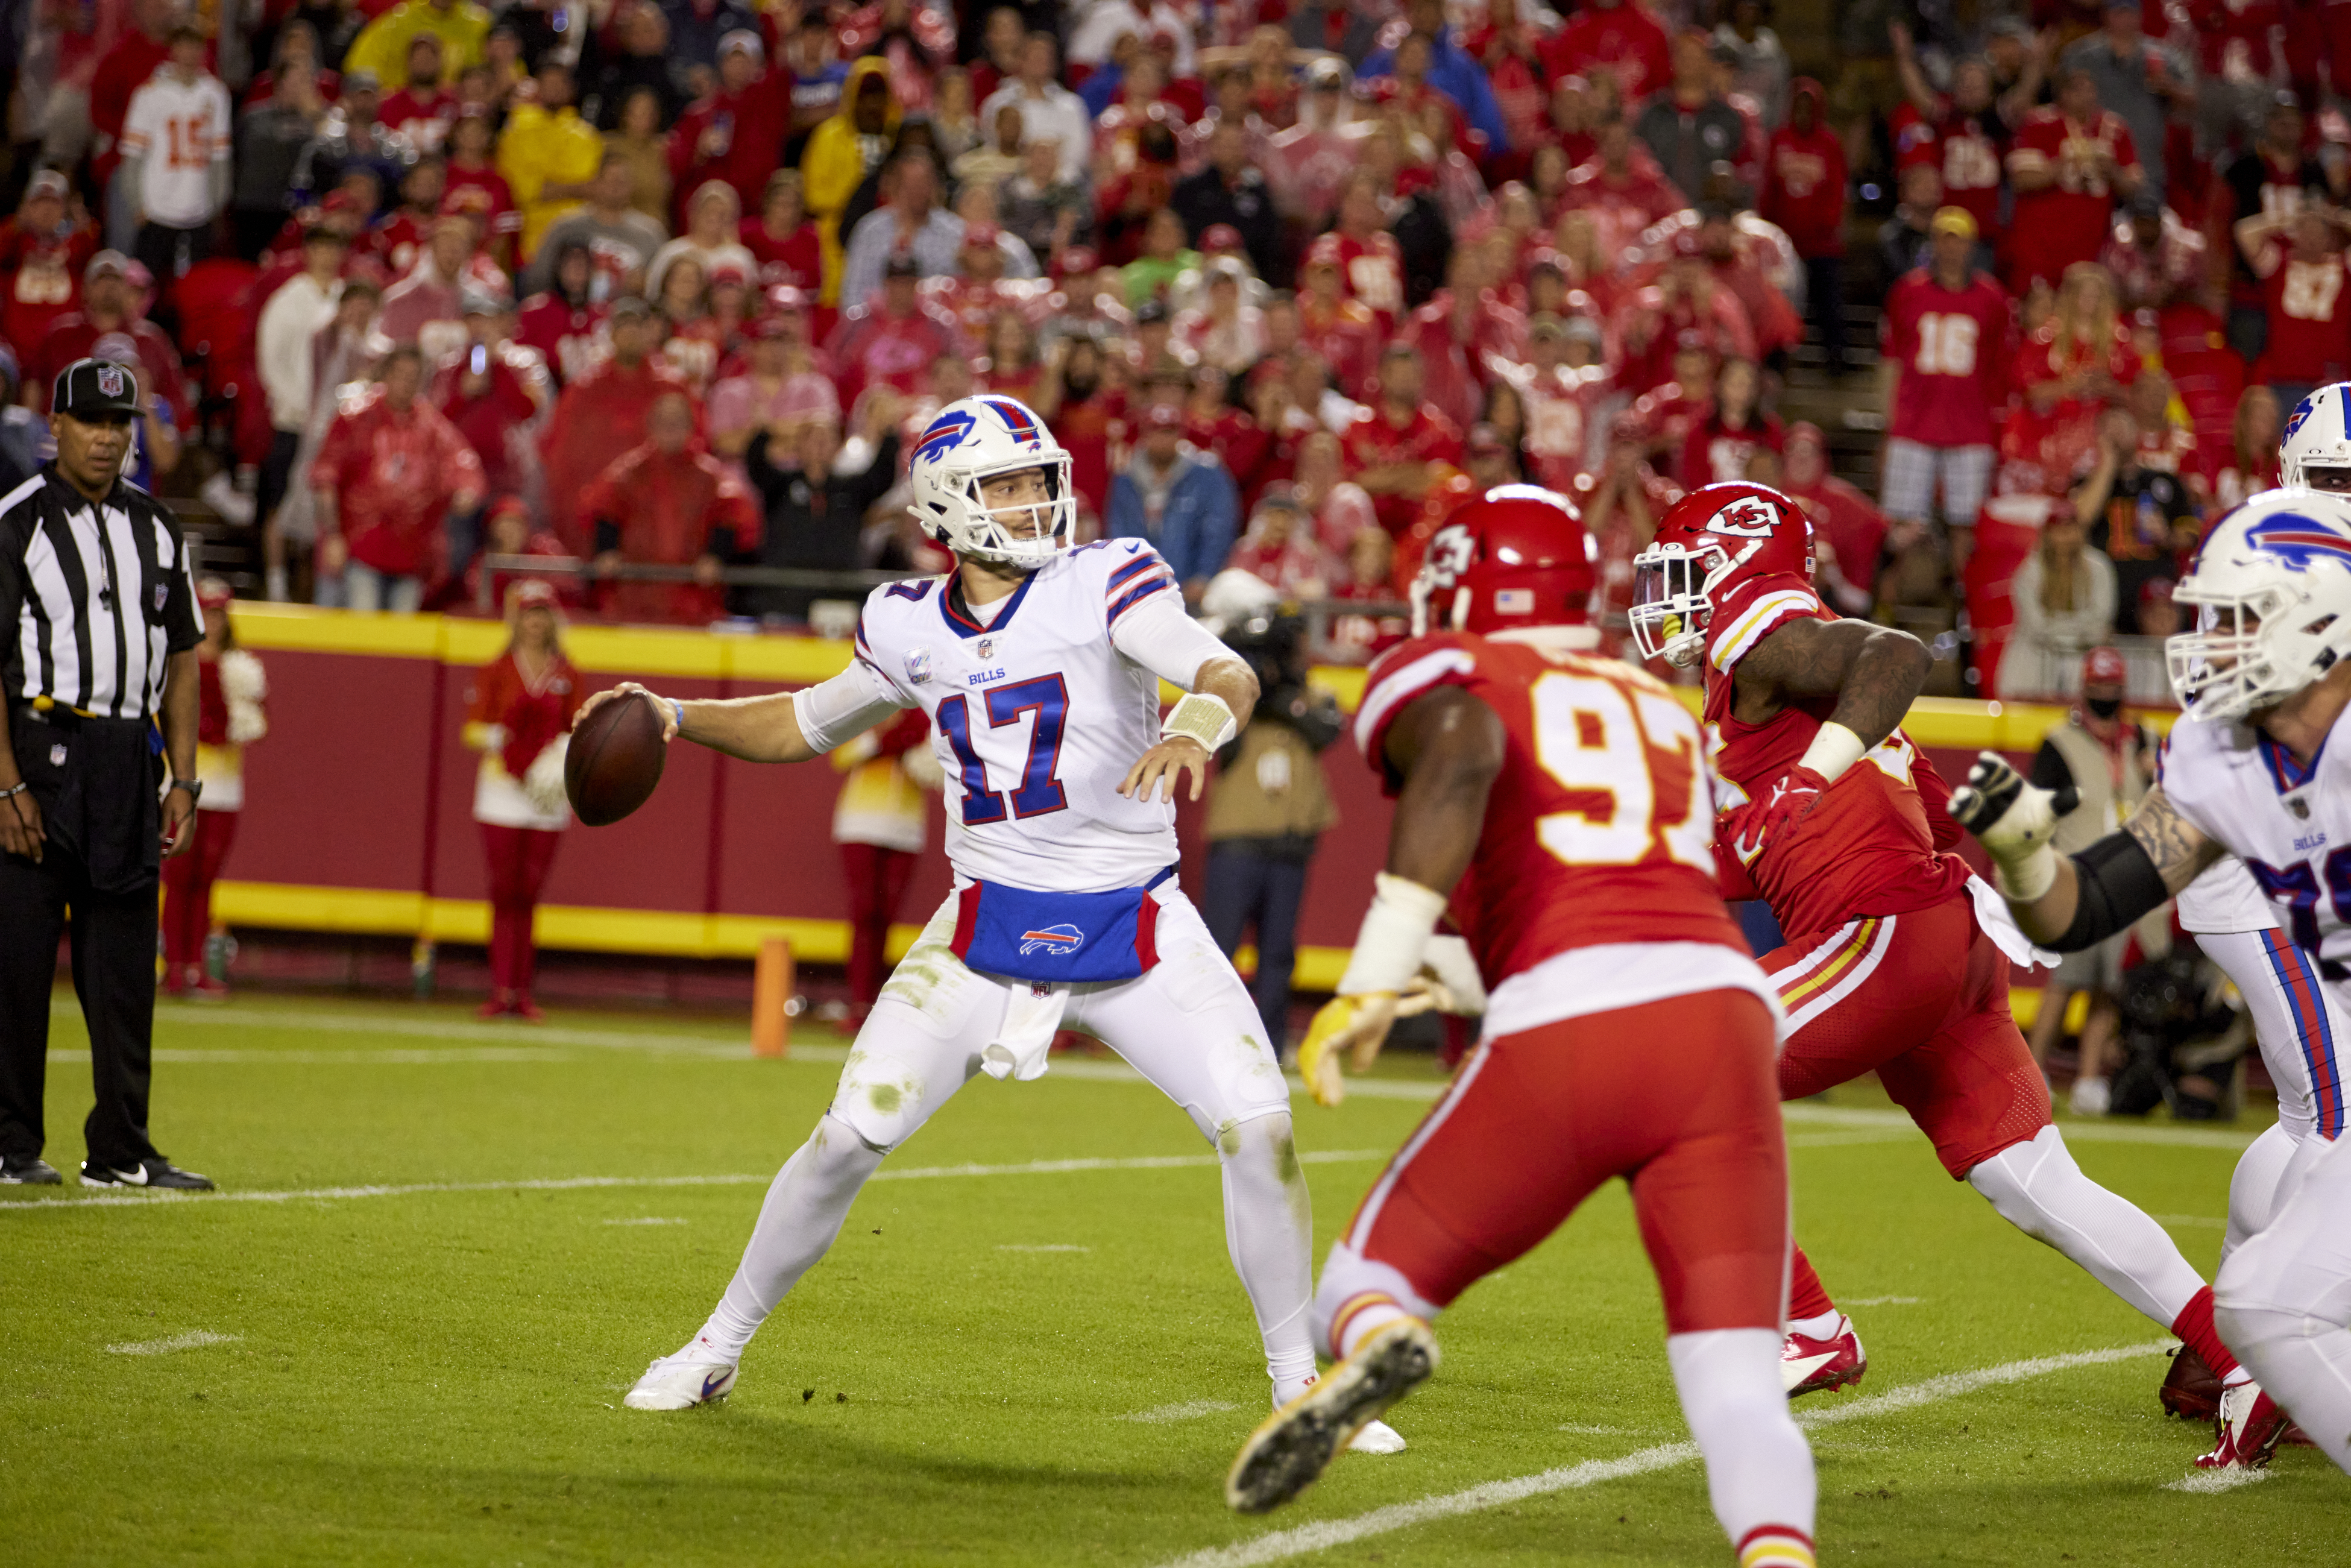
(98, 620)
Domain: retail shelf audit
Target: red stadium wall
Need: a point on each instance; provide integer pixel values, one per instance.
(358, 803)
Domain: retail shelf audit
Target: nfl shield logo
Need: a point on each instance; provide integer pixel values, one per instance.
(987, 648)
(161, 594)
(109, 381)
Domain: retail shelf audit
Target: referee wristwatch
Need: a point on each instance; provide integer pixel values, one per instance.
(194, 787)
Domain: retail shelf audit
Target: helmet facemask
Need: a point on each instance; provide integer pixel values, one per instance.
(2240, 657)
(1670, 605)
(1022, 536)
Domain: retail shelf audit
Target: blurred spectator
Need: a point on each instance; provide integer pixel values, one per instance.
(1618, 37)
(1163, 259)
(1690, 128)
(1230, 189)
(816, 491)
(886, 338)
(1371, 258)
(817, 77)
(601, 414)
(2135, 78)
(913, 225)
(470, 170)
(954, 120)
(1903, 239)
(108, 304)
(494, 392)
(139, 51)
(419, 107)
(1451, 71)
(290, 322)
(1397, 448)
(390, 471)
(230, 689)
(1226, 333)
(550, 156)
(781, 241)
(2275, 177)
(699, 30)
(1730, 431)
(1338, 507)
(562, 322)
(1758, 63)
(2109, 760)
(1307, 163)
(342, 357)
(23, 432)
(737, 134)
(2141, 518)
(1965, 137)
(880, 820)
(42, 250)
(640, 143)
(1847, 527)
(842, 152)
(2251, 464)
(508, 529)
(2065, 605)
(175, 157)
(517, 716)
(1178, 498)
(713, 237)
(2070, 160)
(2157, 616)
(2297, 255)
(351, 143)
(269, 141)
(666, 503)
(2068, 368)
(1804, 194)
(621, 240)
(999, 154)
(1344, 332)
(628, 53)
(1945, 332)
(461, 27)
(424, 306)
(1282, 549)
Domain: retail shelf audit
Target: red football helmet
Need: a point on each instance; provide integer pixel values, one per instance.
(1712, 538)
(1516, 556)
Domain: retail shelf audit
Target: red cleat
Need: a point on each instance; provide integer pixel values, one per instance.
(1809, 1366)
(2249, 1426)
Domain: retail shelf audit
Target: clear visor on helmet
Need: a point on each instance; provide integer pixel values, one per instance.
(1669, 610)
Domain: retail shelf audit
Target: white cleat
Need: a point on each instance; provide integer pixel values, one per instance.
(1378, 1438)
(695, 1375)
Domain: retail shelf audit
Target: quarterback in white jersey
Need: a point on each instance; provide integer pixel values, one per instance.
(2264, 685)
(1040, 666)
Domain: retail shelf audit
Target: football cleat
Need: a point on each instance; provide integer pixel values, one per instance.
(695, 1375)
(2248, 1425)
(27, 1170)
(1377, 1437)
(157, 1172)
(1296, 1443)
(1809, 1366)
(2189, 1390)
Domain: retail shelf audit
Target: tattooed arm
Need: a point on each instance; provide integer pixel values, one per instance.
(1874, 671)
(2119, 878)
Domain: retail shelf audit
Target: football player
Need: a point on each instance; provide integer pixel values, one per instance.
(1038, 666)
(2314, 453)
(1897, 958)
(2264, 684)
(1558, 803)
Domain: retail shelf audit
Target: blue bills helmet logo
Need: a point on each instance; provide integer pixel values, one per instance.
(2300, 542)
(947, 433)
(111, 381)
(1061, 940)
(1017, 420)
(2301, 414)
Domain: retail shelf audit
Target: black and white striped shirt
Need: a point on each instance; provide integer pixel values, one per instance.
(94, 600)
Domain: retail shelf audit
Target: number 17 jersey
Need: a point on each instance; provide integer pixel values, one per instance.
(1598, 830)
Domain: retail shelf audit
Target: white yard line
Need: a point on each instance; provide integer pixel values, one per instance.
(192, 1339)
(572, 1184)
(1320, 1536)
(2217, 1481)
(1884, 1301)
(1190, 1410)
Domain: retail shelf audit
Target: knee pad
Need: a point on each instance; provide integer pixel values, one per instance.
(880, 1099)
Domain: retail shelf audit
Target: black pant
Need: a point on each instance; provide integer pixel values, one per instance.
(277, 473)
(1824, 292)
(168, 252)
(1261, 883)
(114, 975)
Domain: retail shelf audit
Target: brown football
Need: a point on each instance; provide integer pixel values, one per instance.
(614, 760)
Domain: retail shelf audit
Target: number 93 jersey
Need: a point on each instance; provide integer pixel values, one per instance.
(1039, 710)
(1599, 828)
(2291, 825)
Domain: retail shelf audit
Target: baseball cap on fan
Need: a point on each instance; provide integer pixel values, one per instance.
(2104, 667)
(96, 389)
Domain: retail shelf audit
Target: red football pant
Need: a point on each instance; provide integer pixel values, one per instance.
(1922, 1001)
(188, 888)
(1675, 1096)
(877, 883)
(519, 861)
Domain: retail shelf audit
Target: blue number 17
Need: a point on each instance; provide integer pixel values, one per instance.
(1040, 792)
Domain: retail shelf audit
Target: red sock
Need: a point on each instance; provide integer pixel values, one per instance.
(2194, 1327)
(1807, 1299)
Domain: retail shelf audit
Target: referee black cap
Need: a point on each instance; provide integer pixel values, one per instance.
(95, 389)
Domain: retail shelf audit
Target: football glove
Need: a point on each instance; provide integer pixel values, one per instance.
(1750, 828)
(1356, 1025)
(2014, 818)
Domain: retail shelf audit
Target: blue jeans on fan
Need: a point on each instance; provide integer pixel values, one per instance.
(1261, 883)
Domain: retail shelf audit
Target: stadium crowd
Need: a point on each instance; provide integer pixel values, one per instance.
(680, 282)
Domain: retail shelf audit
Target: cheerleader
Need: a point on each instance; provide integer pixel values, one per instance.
(230, 688)
(878, 823)
(517, 717)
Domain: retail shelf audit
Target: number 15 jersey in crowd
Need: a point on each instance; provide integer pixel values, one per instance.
(1039, 704)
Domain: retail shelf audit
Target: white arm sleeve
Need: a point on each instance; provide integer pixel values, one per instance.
(1158, 635)
(847, 705)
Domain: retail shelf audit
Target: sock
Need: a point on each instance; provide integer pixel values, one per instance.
(1268, 1226)
(803, 1213)
(1775, 1546)
(2194, 1327)
(1758, 1470)
(1807, 1297)
(1824, 1326)
(1361, 1316)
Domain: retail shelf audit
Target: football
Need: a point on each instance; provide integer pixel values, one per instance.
(614, 760)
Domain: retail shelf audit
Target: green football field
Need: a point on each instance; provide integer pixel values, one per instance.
(402, 1333)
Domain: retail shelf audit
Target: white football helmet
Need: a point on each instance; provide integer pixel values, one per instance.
(2270, 586)
(972, 441)
(2315, 452)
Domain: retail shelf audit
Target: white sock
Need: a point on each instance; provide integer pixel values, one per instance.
(805, 1207)
(1268, 1226)
(1759, 1469)
(1822, 1325)
(2037, 1187)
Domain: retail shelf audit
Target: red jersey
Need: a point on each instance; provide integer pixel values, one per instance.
(565, 334)
(531, 716)
(2310, 319)
(393, 475)
(1372, 442)
(797, 259)
(1951, 345)
(421, 114)
(505, 218)
(73, 335)
(2067, 221)
(41, 279)
(601, 415)
(1624, 39)
(1869, 847)
(1598, 828)
(1803, 189)
(1973, 150)
(1373, 270)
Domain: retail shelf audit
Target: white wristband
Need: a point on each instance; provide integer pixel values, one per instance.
(1394, 935)
(1832, 750)
(2029, 877)
(1204, 717)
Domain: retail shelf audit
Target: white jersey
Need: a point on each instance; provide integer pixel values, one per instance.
(2291, 826)
(178, 130)
(1039, 704)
